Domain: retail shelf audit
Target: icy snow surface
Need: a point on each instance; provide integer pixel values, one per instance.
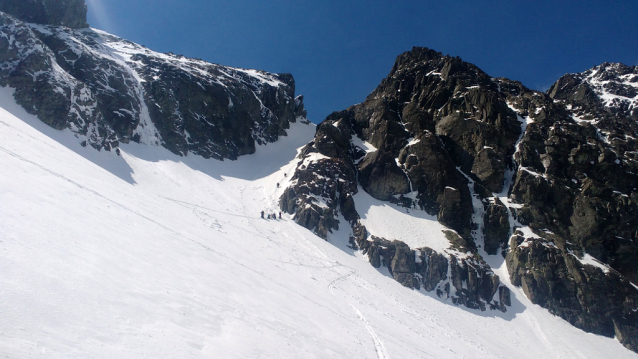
(151, 255)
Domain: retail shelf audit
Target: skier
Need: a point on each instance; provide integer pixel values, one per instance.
(285, 175)
(279, 214)
(262, 214)
(274, 216)
(277, 184)
(268, 216)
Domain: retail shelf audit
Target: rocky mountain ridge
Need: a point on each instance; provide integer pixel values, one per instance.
(546, 179)
(108, 90)
(69, 13)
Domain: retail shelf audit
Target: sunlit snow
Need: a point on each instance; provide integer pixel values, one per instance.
(152, 255)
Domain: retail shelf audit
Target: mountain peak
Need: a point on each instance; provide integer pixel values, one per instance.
(485, 167)
(609, 89)
(419, 54)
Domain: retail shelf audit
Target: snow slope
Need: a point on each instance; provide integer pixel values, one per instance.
(416, 228)
(151, 255)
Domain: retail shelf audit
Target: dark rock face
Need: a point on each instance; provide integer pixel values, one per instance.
(607, 93)
(324, 189)
(432, 117)
(332, 166)
(488, 169)
(434, 120)
(578, 169)
(504, 296)
(468, 280)
(593, 152)
(108, 90)
(69, 13)
(456, 117)
(577, 179)
(559, 282)
(488, 155)
(381, 177)
(475, 285)
(323, 186)
(497, 226)
(451, 205)
(432, 268)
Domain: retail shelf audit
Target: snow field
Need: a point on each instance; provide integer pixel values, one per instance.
(414, 227)
(153, 255)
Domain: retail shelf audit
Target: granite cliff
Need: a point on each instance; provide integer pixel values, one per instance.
(547, 180)
(108, 90)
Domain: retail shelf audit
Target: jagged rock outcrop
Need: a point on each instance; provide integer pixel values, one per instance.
(324, 181)
(593, 152)
(381, 176)
(496, 226)
(108, 90)
(465, 279)
(487, 155)
(435, 114)
(576, 181)
(69, 13)
(321, 188)
(420, 161)
(600, 301)
(432, 267)
(433, 120)
(432, 171)
(606, 94)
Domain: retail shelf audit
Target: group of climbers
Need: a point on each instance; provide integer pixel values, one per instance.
(273, 215)
(270, 216)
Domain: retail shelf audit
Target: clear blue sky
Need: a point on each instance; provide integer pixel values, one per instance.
(339, 51)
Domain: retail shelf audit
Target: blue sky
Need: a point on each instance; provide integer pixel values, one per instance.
(339, 51)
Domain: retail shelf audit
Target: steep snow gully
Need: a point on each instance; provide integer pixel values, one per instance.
(151, 255)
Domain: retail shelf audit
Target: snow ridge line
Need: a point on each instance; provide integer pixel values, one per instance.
(378, 344)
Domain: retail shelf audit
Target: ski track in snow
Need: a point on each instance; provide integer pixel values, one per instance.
(332, 284)
(152, 255)
(378, 344)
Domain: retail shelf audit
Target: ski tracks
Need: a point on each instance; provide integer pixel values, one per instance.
(341, 278)
(378, 344)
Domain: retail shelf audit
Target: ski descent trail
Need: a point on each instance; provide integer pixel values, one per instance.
(378, 344)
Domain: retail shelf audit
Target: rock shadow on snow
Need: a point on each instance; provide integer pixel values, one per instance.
(267, 159)
(109, 161)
